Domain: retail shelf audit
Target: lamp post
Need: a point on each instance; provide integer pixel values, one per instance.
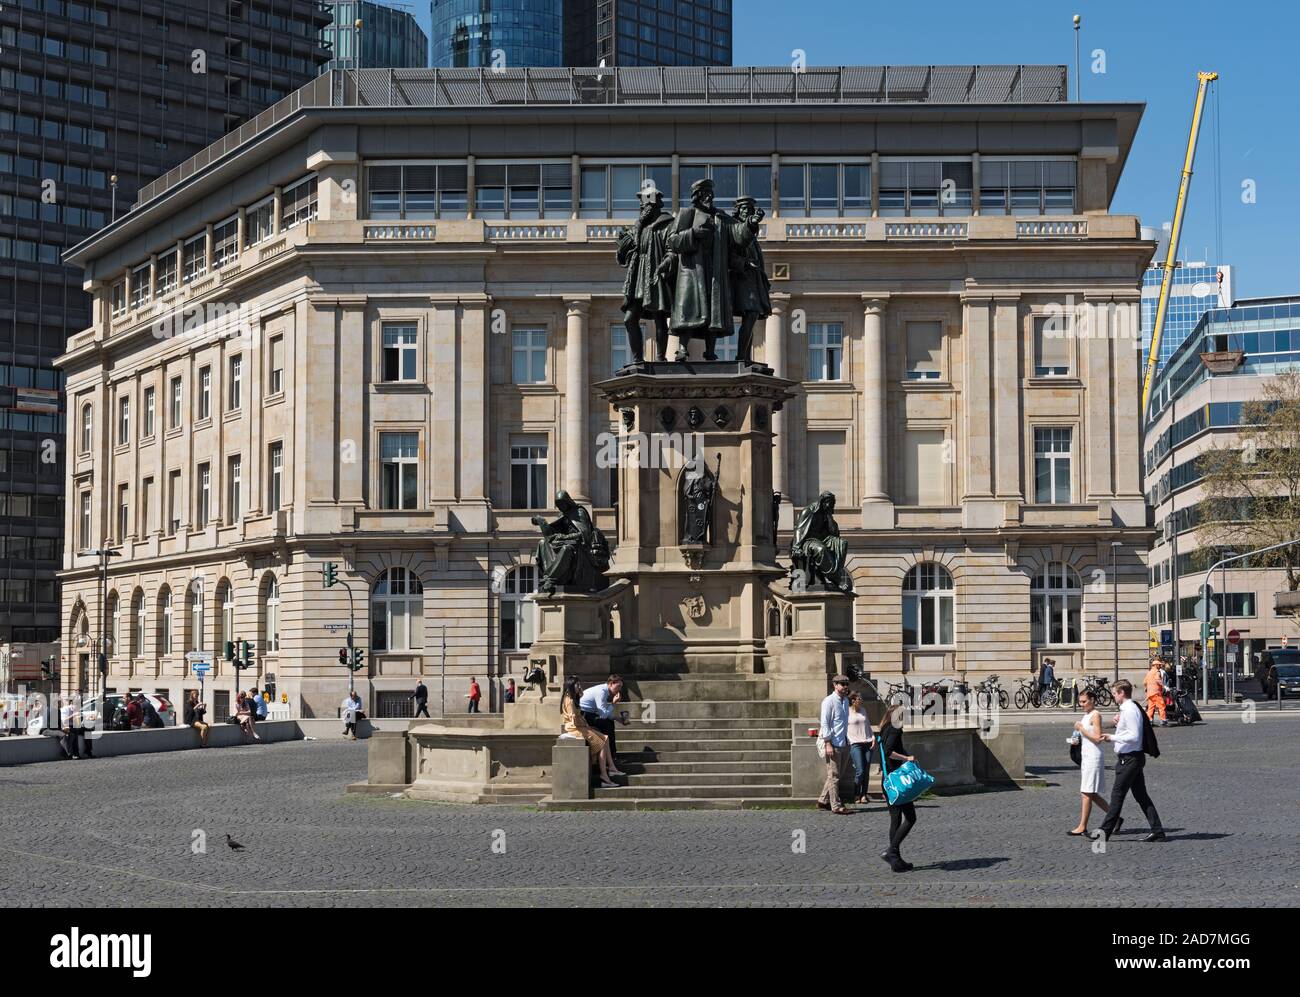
(112, 181)
(101, 655)
(1114, 616)
(1223, 621)
(357, 24)
(1078, 77)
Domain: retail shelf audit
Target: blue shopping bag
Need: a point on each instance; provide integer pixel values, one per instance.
(905, 783)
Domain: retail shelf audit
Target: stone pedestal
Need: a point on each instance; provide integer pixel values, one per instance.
(810, 641)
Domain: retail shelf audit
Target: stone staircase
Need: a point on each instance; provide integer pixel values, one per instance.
(706, 736)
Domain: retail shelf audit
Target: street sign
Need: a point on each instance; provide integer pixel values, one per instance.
(1232, 657)
(200, 668)
(1207, 610)
(1234, 637)
(334, 627)
(198, 656)
(1105, 618)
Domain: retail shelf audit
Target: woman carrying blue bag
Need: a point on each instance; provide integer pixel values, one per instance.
(903, 781)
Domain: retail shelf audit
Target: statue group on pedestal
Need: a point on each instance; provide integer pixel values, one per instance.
(818, 554)
(695, 273)
(572, 555)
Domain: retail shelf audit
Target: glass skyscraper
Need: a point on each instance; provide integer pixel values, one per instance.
(1197, 287)
(96, 100)
(391, 38)
(517, 33)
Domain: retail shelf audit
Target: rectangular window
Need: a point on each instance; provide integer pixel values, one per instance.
(825, 350)
(203, 503)
(298, 203)
(147, 522)
(234, 488)
(165, 280)
(276, 384)
(176, 397)
(1051, 346)
(195, 263)
(225, 243)
(87, 422)
(205, 392)
(173, 502)
(528, 476)
(400, 352)
(117, 298)
(146, 429)
(236, 382)
(123, 514)
(124, 420)
(141, 285)
(399, 469)
(925, 475)
(258, 221)
(924, 351)
(273, 481)
(793, 201)
(85, 521)
(1052, 464)
(826, 465)
(620, 352)
(528, 356)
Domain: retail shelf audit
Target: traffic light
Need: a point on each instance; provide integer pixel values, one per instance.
(331, 572)
(248, 654)
(358, 659)
(343, 655)
(229, 651)
(244, 655)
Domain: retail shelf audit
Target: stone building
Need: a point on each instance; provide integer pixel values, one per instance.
(365, 332)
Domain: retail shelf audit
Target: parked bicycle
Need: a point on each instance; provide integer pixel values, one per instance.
(1029, 693)
(1100, 689)
(989, 692)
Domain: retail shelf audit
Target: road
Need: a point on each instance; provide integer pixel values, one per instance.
(149, 831)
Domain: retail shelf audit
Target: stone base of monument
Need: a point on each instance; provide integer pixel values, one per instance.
(812, 643)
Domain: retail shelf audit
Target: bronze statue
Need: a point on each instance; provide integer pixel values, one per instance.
(750, 287)
(647, 288)
(818, 553)
(703, 240)
(572, 555)
(700, 486)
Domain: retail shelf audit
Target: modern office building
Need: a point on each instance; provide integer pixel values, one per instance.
(389, 356)
(390, 36)
(96, 99)
(1197, 287)
(517, 33)
(647, 32)
(1197, 405)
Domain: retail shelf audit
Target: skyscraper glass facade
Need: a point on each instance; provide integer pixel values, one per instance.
(390, 37)
(1195, 290)
(505, 33)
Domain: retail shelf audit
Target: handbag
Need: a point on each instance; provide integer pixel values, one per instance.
(1076, 754)
(905, 783)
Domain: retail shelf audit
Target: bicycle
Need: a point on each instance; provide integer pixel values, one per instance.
(1099, 688)
(988, 692)
(896, 694)
(1028, 694)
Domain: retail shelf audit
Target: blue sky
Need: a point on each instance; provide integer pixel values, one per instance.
(1152, 53)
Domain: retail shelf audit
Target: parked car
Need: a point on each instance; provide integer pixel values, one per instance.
(1283, 676)
(114, 711)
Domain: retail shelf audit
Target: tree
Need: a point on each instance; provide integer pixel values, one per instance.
(1251, 486)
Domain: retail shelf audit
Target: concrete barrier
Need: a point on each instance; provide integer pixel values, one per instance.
(109, 744)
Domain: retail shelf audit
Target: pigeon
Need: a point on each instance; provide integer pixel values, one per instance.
(233, 845)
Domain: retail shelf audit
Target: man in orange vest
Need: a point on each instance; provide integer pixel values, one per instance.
(1155, 690)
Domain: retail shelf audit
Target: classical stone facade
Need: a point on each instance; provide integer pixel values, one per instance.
(368, 336)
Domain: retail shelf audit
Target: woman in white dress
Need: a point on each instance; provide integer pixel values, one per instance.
(1092, 771)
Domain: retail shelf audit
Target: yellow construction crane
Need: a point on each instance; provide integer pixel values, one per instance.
(1202, 81)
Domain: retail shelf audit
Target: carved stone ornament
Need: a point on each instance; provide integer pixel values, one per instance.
(694, 557)
(694, 417)
(695, 606)
(629, 419)
(667, 418)
(721, 417)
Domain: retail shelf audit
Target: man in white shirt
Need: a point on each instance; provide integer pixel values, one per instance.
(597, 706)
(1130, 762)
(73, 739)
(833, 736)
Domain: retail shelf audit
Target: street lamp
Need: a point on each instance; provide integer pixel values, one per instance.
(357, 24)
(112, 180)
(101, 655)
(1223, 619)
(1114, 616)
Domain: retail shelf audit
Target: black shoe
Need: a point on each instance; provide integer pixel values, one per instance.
(1156, 836)
(1119, 822)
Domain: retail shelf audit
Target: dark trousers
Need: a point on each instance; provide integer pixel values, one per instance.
(901, 820)
(74, 742)
(473, 706)
(1130, 777)
(860, 755)
(421, 707)
(606, 727)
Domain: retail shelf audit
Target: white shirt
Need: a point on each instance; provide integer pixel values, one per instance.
(598, 699)
(1128, 732)
(835, 720)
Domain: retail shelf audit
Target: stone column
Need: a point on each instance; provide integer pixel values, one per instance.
(575, 400)
(1006, 375)
(877, 509)
(774, 357)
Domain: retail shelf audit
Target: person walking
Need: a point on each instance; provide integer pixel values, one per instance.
(1133, 740)
(1092, 767)
(1046, 677)
(597, 705)
(421, 697)
(351, 714)
(573, 724)
(833, 739)
(475, 694)
(862, 740)
(902, 816)
(195, 712)
(1154, 686)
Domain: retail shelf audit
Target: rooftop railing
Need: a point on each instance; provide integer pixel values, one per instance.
(638, 86)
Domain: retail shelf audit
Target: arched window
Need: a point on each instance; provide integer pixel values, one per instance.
(225, 615)
(195, 599)
(87, 434)
(271, 617)
(115, 624)
(517, 610)
(397, 612)
(927, 606)
(164, 622)
(137, 625)
(1056, 606)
